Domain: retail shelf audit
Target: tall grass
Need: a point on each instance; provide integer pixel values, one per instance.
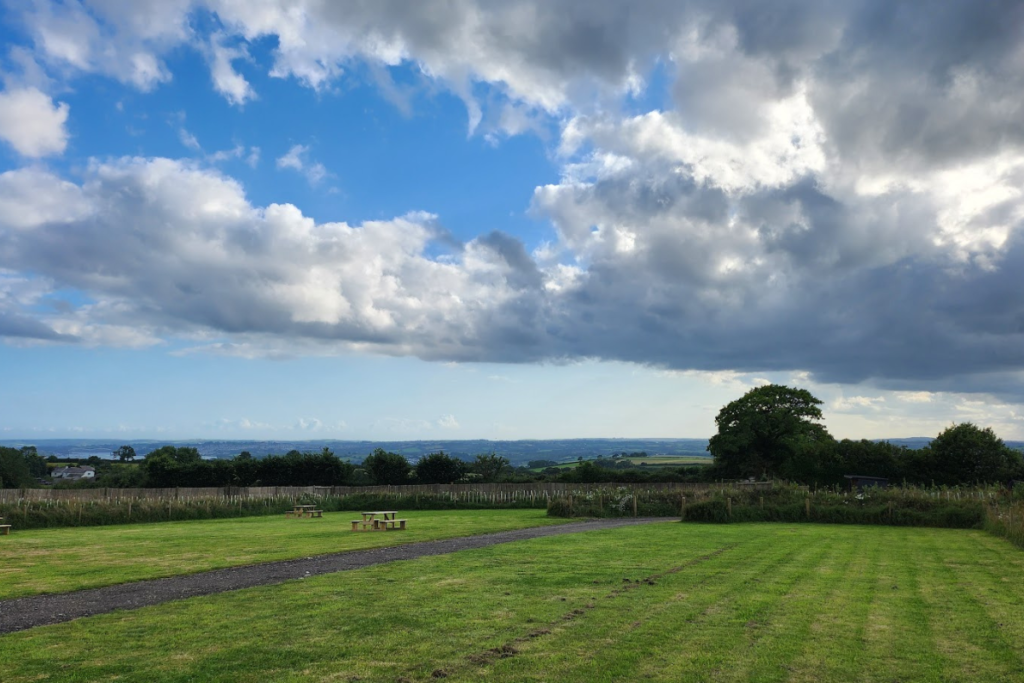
(621, 501)
(28, 514)
(1006, 518)
(907, 506)
(890, 507)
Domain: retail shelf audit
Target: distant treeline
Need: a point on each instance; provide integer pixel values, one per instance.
(517, 451)
(20, 467)
(961, 455)
(182, 466)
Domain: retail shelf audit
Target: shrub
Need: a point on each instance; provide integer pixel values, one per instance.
(951, 508)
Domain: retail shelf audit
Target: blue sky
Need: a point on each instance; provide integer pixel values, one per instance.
(506, 220)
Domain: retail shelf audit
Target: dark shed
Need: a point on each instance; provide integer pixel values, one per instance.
(857, 481)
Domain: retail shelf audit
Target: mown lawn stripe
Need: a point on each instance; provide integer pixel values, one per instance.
(965, 633)
(775, 622)
(835, 641)
(663, 627)
(824, 595)
(900, 641)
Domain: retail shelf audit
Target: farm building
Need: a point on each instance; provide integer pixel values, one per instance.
(73, 473)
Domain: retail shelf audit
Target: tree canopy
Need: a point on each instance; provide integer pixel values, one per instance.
(439, 468)
(14, 471)
(967, 454)
(766, 431)
(125, 453)
(491, 466)
(387, 468)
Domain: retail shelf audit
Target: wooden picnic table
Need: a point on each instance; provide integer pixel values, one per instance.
(379, 520)
(304, 511)
(384, 514)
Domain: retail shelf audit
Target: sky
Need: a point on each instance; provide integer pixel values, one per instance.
(520, 219)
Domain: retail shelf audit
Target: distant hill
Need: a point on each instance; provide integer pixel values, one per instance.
(916, 442)
(518, 452)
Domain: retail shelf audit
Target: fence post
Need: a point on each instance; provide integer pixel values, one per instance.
(728, 506)
(807, 506)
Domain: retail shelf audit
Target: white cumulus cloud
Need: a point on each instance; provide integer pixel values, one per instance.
(447, 422)
(297, 159)
(32, 123)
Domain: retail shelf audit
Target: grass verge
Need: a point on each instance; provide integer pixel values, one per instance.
(664, 602)
(58, 560)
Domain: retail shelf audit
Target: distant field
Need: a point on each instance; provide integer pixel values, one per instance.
(58, 560)
(651, 461)
(671, 460)
(665, 602)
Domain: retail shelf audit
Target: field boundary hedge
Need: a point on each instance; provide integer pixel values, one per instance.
(496, 493)
(898, 506)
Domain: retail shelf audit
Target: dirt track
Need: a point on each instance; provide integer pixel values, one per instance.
(24, 613)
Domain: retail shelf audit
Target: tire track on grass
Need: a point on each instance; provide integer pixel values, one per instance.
(19, 614)
(511, 647)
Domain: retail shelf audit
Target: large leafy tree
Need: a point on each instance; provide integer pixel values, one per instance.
(14, 471)
(768, 431)
(439, 468)
(491, 466)
(125, 453)
(967, 454)
(387, 468)
(181, 455)
(172, 466)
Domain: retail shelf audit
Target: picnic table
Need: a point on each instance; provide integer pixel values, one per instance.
(304, 511)
(379, 520)
(5, 529)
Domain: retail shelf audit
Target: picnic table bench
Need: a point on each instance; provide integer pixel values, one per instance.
(304, 511)
(5, 529)
(380, 520)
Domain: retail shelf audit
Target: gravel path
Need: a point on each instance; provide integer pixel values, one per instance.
(24, 613)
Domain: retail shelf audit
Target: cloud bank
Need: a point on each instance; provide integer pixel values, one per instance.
(833, 187)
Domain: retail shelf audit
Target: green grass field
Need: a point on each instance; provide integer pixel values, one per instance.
(672, 460)
(651, 461)
(58, 560)
(664, 602)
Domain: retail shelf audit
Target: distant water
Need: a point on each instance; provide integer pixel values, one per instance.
(559, 450)
(519, 452)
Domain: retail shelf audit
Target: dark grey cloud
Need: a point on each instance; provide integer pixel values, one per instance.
(17, 326)
(914, 85)
(832, 186)
(523, 270)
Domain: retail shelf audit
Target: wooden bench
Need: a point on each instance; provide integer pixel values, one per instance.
(366, 524)
(5, 529)
(315, 513)
(289, 513)
(389, 524)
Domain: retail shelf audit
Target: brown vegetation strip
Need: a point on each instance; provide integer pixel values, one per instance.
(24, 613)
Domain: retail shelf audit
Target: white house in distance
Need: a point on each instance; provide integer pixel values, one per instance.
(73, 473)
